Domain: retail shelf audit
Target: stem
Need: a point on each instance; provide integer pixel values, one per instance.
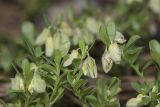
(27, 101)
(56, 86)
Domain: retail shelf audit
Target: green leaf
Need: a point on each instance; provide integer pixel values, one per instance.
(155, 51)
(76, 63)
(131, 41)
(82, 47)
(26, 71)
(92, 99)
(132, 54)
(69, 78)
(70, 12)
(81, 44)
(142, 88)
(101, 88)
(47, 21)
(103, 35)
(114, 85)
(111, 30)
(57, 57)
(38, 51)
(145, 100)
(78, 84)
(87, 91)
(6, 59)
(28, 31)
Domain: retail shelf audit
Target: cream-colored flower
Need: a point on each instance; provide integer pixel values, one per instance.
(72, 56)
(21, 85)
(89, 67)
(106, 61)
(155, 6)
(30, 88)
(158, 105)
(115, 52)
(135, 102)
(61, 42)
(17, 83)
(49, 46)
(66, 29)
(132, 102)
(119, 38)
(37, 84)
(92, 25)
(43, 36)
(34, 67)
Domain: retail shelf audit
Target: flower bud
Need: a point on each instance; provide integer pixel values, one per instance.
(119, 38)
(43, 36)
(73, 55)
(30, 88)
(89, 67)
(49, 46)
(115, 52)
(106, 61)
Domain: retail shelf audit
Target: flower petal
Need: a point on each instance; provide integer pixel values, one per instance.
(73, 55)
(89, 67)
(43, 36)
(49, 46)
(115, 52)
(61, 42)
(38, 83)
(106, 61)
(119, 38)
(17, 83)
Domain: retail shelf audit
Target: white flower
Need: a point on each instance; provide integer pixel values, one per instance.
(37, 84)
(17, 83)
(106, 61)
(65, 28)
(61, 42)
(155, 6)
(92, 25)
(119, 38)
(158, 105)
(132, 102)
(49, 46)
(43, 36)
(135, 102)
(72, 56)
(113, 55)
(30, 88)
(89, 67)
(115, 52)
(34, 67)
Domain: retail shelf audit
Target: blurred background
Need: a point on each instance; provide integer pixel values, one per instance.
(132, 17)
